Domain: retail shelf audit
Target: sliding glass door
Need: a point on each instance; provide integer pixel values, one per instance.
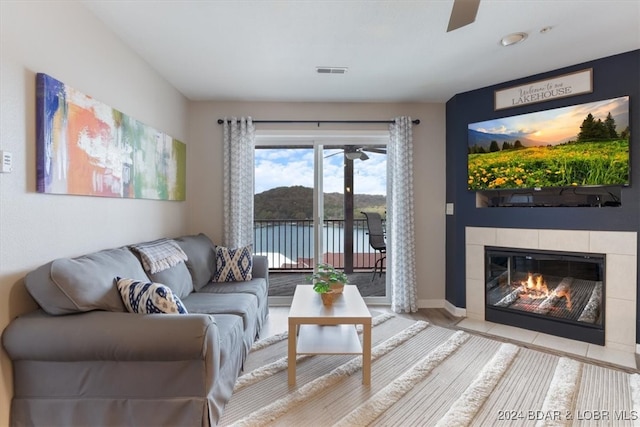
(309, 194)
(284, 206)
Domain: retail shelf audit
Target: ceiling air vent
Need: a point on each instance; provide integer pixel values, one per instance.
(331, 70)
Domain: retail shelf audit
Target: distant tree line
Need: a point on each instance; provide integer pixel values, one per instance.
(493, 147)
(296, 203)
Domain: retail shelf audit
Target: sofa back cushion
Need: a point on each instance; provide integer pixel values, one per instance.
(73, 285)
(201, 258)
(177, 278)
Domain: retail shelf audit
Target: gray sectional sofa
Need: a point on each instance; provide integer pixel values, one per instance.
(82, 359)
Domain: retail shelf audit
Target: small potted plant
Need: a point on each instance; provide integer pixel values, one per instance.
(328, 282)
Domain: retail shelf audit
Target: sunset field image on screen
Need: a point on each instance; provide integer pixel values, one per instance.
(580, 145)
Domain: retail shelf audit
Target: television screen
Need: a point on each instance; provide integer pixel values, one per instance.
(579, 145)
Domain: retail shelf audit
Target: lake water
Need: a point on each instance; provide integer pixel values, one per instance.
(286, 243)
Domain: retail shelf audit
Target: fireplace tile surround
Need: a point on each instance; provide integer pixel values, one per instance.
(620, 249)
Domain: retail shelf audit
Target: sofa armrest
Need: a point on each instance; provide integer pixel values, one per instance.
(260, 267)
(102, 335)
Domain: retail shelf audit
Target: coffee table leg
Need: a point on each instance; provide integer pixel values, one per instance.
(366, 353)
(291, 357)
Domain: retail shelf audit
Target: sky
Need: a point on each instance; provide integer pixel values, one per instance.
(557, 125)
(285, 167)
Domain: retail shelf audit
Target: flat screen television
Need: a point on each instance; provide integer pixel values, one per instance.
(575, 146)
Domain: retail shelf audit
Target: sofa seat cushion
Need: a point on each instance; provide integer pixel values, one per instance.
(257, 287)
(243, 305)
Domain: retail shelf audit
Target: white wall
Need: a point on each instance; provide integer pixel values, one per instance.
(65, 41)
(206, 157)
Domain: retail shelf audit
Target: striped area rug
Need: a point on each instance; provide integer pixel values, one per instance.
(424, 375)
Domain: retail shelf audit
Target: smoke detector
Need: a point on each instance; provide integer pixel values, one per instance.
(331, 70)
(512, 39)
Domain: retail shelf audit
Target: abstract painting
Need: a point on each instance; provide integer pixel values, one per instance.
(85, 147)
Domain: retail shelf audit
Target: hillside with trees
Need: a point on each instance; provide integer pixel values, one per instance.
(296, 202)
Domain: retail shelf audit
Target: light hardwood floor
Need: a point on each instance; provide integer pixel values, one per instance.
(277, 320)
(277, 323)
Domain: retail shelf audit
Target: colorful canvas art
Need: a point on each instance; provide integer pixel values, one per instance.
(85, 147)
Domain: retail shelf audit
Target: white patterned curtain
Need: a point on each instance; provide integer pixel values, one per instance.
(239, 143)
(401, 260)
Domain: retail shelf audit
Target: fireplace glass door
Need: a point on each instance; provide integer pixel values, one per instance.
(554, 286)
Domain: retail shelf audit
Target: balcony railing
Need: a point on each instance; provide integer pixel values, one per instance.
(289, 244)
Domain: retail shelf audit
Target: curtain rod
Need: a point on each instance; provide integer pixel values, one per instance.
(415, 122)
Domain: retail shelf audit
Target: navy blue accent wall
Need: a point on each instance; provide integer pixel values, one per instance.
(613, 76)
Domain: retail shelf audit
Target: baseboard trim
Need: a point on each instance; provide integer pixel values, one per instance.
(431, 303)
(442, 303)
(455, 311)
(280, 301)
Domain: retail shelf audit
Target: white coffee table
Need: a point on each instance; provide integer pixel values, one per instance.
(318, 329)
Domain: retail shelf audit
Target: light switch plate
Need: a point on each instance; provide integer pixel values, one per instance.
(449, 209)
(7, 162)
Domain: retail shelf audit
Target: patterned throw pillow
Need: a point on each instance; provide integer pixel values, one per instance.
(148, 297)
(233, 265)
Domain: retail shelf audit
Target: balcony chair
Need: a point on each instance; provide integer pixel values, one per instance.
(376, 240)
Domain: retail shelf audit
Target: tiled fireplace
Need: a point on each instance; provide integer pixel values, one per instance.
(556, 292)
(619, 249)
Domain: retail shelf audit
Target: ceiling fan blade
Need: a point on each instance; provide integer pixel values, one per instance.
(358, 153)
(375, 150)
(463, 13)
(333, 154)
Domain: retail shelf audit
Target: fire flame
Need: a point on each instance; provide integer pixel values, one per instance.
(535, 287)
